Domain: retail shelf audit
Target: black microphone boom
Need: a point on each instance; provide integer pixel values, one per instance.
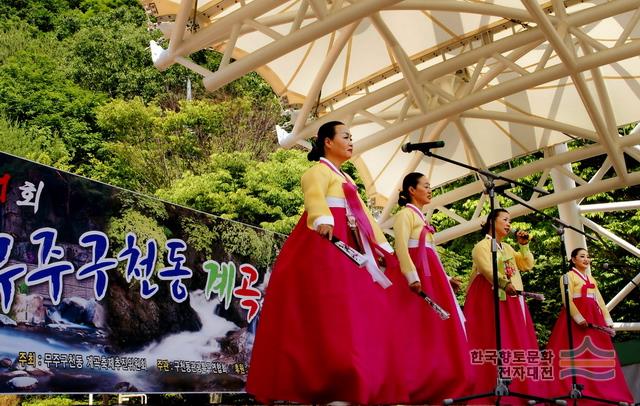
(422, 146)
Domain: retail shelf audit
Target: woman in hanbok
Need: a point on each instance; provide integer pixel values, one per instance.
(516, 326)
(324, 324)
(433, 353)
(595, 363)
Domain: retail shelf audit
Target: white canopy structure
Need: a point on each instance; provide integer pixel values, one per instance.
(493, 79)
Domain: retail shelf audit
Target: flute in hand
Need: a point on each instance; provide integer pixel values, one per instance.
(532, 295)
(607, 330)
(351, 253)
(443, 314)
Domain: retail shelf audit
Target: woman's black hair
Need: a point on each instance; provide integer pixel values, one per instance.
(486, 227)
(410, 180)
(326, 130)
(574, 253)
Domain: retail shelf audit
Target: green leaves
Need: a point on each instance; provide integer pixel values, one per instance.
(236, 187)
(113, 58)
(36, 144)
(131, 121)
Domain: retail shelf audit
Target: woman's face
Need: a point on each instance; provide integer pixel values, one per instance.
(503, 224)
(421, 194)
(340, 147)
(581, 260)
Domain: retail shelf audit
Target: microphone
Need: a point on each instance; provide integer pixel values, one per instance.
(515, 232)
(503, 187)
(611, 265)
(559, 229)
(422, 146)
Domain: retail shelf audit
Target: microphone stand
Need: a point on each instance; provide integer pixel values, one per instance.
(576, 388)
(502, 383)
(575, 392)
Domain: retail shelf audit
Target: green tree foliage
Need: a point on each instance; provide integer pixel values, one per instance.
(236, 187)
(109, 53)
(146, 148)
(42, 14)
(199, 236)
(243, 123)
(58, 74)
(246, 242)
(35, 91)
(15, 36)
(49, 401)
(33, 143)
(133, 154)
(146, 228)
(9, 400)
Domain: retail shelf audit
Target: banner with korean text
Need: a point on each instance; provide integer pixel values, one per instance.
(106, 290)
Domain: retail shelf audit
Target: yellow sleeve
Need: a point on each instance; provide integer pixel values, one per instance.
(573, 310)
(603, 307)
(524, 258)
(483, 261)
(315, 183)
(402, 228)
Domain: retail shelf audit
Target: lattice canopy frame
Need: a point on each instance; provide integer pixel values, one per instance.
(494, 80)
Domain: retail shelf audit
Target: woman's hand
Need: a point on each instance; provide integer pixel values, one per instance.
(456, 283)
(416, 287)
(522, 237)
(510, 290)
(325, 230)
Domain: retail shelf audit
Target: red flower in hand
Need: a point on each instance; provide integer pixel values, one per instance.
(508, 270)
